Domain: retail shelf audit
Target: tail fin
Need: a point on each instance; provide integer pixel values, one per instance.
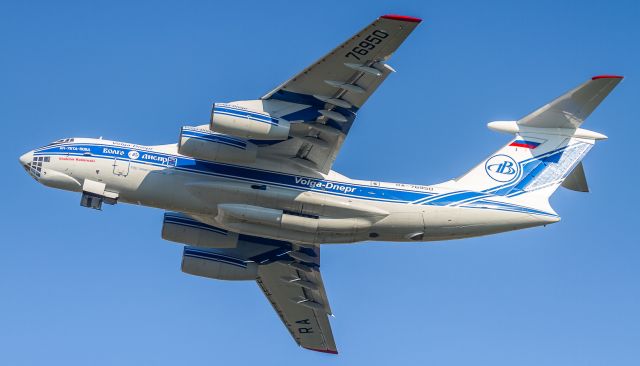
(548, 148)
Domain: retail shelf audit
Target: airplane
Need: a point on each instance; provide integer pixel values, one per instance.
(252, 194)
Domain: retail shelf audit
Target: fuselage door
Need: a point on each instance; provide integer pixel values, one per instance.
(121, 166)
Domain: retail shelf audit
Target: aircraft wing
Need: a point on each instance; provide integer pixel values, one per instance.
(329, 93)
(298, 297)
(288, 274)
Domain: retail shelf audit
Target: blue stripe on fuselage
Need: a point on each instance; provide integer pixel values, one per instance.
(238, 172)
(254, 175)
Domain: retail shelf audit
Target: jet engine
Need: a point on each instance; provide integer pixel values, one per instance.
(183, 229)
(280, 225)
(217, 265)
(208, 145)
(236, 119)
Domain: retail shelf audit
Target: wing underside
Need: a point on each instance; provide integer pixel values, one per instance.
(571, 109)
(299, 299)
(322, 100)
(320, 103)
(287, 273)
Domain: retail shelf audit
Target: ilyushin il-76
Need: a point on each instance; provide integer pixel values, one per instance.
(252, 194)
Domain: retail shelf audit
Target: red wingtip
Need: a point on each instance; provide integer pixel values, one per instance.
(322, 350)
(607, 77)
(403, 18)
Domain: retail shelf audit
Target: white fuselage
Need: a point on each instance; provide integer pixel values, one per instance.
(275, 200)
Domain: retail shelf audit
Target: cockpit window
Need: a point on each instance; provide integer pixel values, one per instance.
(35, 166)
(61, 141)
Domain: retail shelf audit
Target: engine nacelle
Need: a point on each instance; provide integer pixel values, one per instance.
(229, 213)
(208, 145)
(212, 264)
(250, 123)
(276, 224)
(183, 229)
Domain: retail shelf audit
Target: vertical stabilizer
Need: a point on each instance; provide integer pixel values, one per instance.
(547, 149)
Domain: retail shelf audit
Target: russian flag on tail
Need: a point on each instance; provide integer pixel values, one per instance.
(527, 144)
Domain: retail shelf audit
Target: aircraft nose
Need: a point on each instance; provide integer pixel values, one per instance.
(26, 158)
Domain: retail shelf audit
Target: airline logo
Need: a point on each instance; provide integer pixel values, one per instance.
(502, 168)
(323, 185)
(108, 151)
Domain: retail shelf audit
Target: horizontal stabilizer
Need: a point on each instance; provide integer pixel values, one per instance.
(576, 180)
(571, 109)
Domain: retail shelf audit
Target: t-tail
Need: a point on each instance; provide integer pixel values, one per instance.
(547, 149)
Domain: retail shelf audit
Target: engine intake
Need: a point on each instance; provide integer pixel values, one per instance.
(240, 121)
(208, 145)
(212, 264)
(183, 229)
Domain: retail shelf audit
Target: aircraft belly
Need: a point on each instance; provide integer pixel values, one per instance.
(443, 223)
(160, 188)
(279, 213)
(405, 225)
(216, 191)
(354, 219)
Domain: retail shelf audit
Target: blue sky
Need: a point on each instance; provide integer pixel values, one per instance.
(81, 287)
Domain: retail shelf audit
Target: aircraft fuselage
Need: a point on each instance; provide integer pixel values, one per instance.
(275, 200)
